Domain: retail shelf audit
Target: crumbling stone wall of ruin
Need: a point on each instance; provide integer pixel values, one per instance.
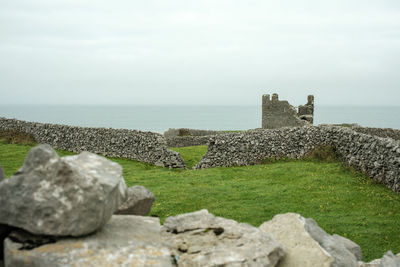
(279, 113)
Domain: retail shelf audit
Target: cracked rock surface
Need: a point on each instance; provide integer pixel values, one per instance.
(69, 196)
(309, 245)
(126, 240)
(202, 239)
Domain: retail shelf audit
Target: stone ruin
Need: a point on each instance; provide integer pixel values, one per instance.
(77, 211)
(279, 113)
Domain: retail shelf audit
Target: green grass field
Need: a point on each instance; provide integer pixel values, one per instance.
(341, 200)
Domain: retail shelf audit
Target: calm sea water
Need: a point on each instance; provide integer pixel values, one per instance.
(160, 118)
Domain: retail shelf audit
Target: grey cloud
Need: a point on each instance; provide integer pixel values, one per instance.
(199, 52)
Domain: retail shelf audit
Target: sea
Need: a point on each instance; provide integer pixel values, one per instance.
(161, 118)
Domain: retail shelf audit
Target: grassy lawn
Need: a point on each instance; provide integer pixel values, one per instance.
(341, 200)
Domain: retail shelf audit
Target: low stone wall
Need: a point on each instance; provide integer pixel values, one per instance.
(183, 141)
(141, 146)
(183, 137)
(381, 132)
(172, 132)
(378, 157)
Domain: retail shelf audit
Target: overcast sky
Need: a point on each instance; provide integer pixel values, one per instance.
(199, 52)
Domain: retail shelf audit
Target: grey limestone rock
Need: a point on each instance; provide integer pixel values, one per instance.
(184, 141)
(124, 241)
(277, 114)
(4, 231)
(69, 196)
(2, 176)
(172, 132)
(336, 247)
(201, 239)
(349, 245)
(388, 260)
(374, 263)
(139, 201)
(309, 245)
(382, 132)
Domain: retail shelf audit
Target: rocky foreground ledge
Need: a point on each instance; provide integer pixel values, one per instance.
(59, 212)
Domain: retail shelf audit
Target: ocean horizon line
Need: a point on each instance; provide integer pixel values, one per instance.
(182, 105)
(160, 118)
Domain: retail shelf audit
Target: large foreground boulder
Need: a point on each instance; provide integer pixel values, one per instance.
(139, 201)
(124, 241)
(309, 245)
(201, 239)
(69, 196)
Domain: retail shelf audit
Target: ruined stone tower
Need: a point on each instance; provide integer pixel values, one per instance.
(277, 114)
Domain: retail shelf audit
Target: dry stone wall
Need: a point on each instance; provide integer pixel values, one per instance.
(381, 132)
(378, 157)
(141, 146)
(183, 137)
(172, 132)
(183, 141)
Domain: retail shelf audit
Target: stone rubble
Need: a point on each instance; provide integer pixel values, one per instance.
(184, 137)
(381, 132)
(201, 239)
(139, 201)
(73, 195)
(309, 245)
(184, 141)
(279, 113)
(126, 240)
(172, 132)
